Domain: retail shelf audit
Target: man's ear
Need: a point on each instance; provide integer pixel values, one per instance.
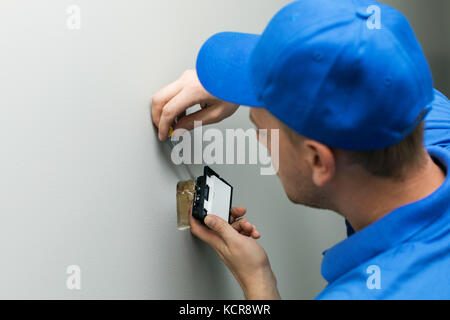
(321, 161)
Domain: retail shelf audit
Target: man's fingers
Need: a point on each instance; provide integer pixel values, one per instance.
(237, 225)
(255, 234)
(207, 115)
(171, 110)
(237, 212)
(204, 234)
(244, 227)
(163, 96)
(213, 113)
(221, 227)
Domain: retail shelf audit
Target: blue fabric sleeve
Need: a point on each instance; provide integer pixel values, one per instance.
(437, 130)
(437, 122)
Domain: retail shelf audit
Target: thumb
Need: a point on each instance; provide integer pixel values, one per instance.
(220, 226)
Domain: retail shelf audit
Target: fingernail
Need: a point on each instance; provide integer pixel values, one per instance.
(210, 221)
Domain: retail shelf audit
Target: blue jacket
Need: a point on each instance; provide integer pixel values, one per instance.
(405, 254)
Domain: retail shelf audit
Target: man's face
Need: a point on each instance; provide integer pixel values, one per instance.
(294, 172)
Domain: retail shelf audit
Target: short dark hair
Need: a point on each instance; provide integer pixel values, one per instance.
(392, 161)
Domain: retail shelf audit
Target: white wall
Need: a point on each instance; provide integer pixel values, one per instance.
(83, 179)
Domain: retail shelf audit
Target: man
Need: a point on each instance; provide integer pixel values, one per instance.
(349, 95)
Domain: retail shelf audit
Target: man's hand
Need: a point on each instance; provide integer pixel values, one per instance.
(173, 101)
(236, 246)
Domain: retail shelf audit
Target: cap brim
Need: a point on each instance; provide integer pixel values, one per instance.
(223, 67)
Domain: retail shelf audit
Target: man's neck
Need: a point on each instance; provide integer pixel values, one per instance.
(367, 199)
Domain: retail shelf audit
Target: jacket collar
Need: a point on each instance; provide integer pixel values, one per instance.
(391, 230)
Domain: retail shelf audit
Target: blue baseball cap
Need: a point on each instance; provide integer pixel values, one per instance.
(349, 73)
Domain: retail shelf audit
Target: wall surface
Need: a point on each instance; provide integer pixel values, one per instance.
(431, 23)
(84, 180)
